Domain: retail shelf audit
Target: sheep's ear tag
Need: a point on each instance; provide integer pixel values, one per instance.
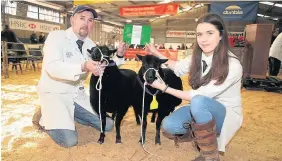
(154, 104)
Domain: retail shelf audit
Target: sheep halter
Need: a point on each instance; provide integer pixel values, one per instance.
(99, 85)
(143, 103)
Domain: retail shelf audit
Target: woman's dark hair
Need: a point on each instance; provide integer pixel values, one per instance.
(220, 65)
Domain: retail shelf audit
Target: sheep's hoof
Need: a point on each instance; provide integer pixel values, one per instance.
(138, 122)
(140, 141)
(101, 141)
(118, 141)
(157, 141)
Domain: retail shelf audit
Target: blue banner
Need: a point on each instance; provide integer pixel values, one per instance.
(235, 11)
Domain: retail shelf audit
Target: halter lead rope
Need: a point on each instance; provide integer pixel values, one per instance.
(99, 85)
(143, 103)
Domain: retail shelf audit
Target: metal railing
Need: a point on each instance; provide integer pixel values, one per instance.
(19, 54)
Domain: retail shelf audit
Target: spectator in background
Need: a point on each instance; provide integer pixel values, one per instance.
(178, 47)
(275, 56)
(42, 38)
(9, 36)
(275, 33)
(182, 47)
(171, 47)
(33, 38)
(131, 46)
(162, 46)
(140, 47)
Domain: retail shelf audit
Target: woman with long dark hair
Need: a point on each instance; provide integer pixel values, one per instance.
(214, 114)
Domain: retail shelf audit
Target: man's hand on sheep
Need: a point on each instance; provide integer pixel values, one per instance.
(94, 67)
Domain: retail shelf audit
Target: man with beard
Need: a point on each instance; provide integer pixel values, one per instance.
(66, 65)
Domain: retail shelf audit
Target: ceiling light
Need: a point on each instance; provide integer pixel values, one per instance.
(128, 21)
(185, 5)
(165, 1)
(163, 16)
(278, 5)
(115, 23)
(267, 3)
(260, 15)
(187, 9)
(198, 5)
(47, 4)
(98, 10)
(180, 11)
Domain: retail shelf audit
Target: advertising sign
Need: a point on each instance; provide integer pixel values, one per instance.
(235, 11)
(150, 10)
(32, 25)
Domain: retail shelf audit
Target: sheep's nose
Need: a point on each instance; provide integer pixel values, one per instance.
(150, 76)
(96, 57)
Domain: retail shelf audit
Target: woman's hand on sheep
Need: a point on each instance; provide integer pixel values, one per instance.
(151, 49)
(158, 84)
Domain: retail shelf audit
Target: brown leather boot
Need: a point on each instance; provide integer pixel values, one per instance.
(36, 118)
(206, 139)
(180, 138)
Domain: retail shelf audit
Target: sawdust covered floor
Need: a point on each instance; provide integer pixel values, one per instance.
(259, 139)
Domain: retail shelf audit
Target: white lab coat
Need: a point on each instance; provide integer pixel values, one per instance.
(61, 80)
(276, 48)
(228, 93)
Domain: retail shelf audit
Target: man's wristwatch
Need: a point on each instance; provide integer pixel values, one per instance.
(119, 56)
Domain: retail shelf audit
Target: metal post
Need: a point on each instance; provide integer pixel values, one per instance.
(3, 4)
(5, 59)
(185, 41)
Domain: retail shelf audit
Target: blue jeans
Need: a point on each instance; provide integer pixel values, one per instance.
(201, 108)
(68, 138)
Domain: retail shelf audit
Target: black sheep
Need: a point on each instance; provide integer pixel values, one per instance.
(116, 93)
(166, 102)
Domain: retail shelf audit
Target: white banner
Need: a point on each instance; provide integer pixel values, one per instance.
(31, 25)
(192, 34)
(136, 34)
